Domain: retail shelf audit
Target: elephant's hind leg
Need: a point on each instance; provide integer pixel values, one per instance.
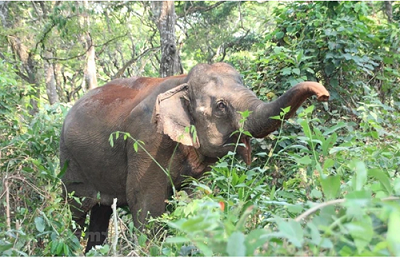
(98, 228)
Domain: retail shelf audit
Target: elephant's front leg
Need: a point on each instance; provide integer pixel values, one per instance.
(146, 196)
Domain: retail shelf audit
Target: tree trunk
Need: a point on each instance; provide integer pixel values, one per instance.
(90, 65)
(51, 88)
(34, 79)
(165, 19)
(388, 10)
(90, 76)
(4, 13)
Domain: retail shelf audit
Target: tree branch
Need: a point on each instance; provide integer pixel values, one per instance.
(232, 44)
(84, 53)
(131, 61)
(333, 202)
(193, 9)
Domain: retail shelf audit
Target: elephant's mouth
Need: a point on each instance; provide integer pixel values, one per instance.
(245, 151)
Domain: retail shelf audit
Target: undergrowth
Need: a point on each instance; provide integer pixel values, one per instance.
(337, 196)
(322, 185)
(340, 199)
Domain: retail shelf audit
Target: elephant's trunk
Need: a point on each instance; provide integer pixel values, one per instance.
(260, 124)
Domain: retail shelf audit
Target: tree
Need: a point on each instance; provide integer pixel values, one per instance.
(212, 32)
(24, 55)
(90, 77)
(388, 10)
(50, 79)
(165, 18)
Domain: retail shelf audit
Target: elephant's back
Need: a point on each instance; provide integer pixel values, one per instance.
(118, 97)
(105, 109)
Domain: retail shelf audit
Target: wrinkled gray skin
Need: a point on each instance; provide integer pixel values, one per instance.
(156, 111)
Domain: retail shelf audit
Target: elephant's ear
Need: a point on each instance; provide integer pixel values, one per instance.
(171, 114)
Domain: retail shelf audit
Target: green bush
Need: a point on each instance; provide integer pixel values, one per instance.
(336, 43)
(35, 218)
(339, 202)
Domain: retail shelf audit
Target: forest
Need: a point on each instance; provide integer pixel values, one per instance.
(326, 183)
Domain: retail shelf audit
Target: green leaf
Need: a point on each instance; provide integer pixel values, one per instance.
(358, 198)
(329, 68)
(330, 186)
(308, 110)
(63, 170)
(66, 250)
(304, 160)
(111, 140)
(279, 35)
(276, 117)
(245, 114)
(338, 149)
(374, 134)
(316, 194)
(361, 231)
(154, 250)
(393, 236)
(334, 128)
(135, 146)
(247, 133)
(53, 247)
(346, 251)
(194, 224)
(328, 163)
(205, 188)
(296, 71)
(328, 143)
(291, 230)
(314, 232)
(295, 208)
(5, 246)
(243, 218)
(308, 69)
(383, 179)
(60, 247)
(285, 110)
(299, 56)
(222, 164)
(272, 193)
(177, 240)
(40, 224)
(235, 245)
(286, 71)
(105, 249)
(205, 249)
(396, 186)
(361, 175)
(304, 125)
(98, 195)
(142, 238)
(326, 243)
(194, 133)
(255, 239)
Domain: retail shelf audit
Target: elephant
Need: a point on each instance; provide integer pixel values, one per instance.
(158, 112)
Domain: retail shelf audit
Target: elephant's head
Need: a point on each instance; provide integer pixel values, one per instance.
(209, 101)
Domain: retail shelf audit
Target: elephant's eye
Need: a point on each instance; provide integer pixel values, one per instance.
(221, 105)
